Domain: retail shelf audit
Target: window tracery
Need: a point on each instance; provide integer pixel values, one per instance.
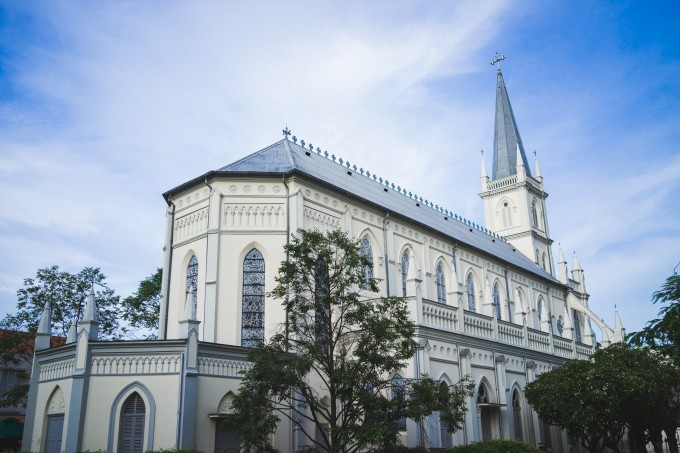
(366, 269)
(472, 305)
(252, 313)
(441, 285)
(404, 272)
(497, 301)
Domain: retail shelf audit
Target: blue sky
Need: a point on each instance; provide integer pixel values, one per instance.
(105, 105)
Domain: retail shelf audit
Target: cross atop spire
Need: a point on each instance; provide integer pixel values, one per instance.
(286, 132)
(497, 60)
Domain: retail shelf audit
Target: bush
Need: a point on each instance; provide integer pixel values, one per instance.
(495, 446)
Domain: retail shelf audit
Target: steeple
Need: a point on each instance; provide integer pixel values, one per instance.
(507, 142)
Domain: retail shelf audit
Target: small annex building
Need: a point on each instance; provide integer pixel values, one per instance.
(488, 301)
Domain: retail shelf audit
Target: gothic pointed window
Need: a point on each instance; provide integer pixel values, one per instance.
(472, 305)
(560, 325)
(517, 415)
(192, 281)
(252, 304)
(441, 285)
(539, 309)
(404, 272)
(446, 441)
(497, 301)
(322, 310)
(543, 261)
(398, 395)
(537, 256)
(534, 213)
(131, 428)
(367, 269)
(577, 327)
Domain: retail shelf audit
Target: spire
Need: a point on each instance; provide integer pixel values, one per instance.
(506, 135)
(72, 333)
(485, 176)
(537, 171)
(563, 270)
(619, 331)
(521, 169)
(90, 323)
(42, 337)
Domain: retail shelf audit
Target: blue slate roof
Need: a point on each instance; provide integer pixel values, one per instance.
(506, 136)
(286, 157)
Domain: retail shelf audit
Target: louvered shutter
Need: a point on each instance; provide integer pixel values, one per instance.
(131, 438)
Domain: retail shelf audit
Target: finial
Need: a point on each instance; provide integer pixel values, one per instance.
(534, 154)
(294, 139)
(286, 132)
(482, 152)
(497, 60)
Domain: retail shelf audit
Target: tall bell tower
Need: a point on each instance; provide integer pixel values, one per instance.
(514, 199)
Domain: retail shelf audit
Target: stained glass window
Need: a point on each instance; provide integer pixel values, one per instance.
(367, 269)
(322, 311)
(399, 393)
(441, 285)
(192, 280)
(404, 272)
(252, 318)
(472, 305)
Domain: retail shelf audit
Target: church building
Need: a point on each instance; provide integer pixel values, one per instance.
(488, 302)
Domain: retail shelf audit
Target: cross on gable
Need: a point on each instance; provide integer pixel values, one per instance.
(286, 132)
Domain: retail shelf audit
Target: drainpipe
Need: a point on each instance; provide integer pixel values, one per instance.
(460, 378)
(167, 285)
(207, 244)
(283, 180)
(387, 262)
(507, 294)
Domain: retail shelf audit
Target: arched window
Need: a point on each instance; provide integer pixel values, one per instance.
(537, 261)
(322, 305)
(534, 213)
(577, 327)
(367, 269)
(444, 434)
(441, 285)
(472, 305)
(131, 428)
(484, 411)
(252, 313)
(543, 261)
(404, 272)
(497, 301)
(539, 309)
(398, 394)
(560, 325)
(192, 281)
(507, 215)
(517, 415)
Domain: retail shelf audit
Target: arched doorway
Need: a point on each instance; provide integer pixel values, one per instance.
(517, 414)
(485, 411)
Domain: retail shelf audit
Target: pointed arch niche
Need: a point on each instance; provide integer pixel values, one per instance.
(55, 411)
(138, 398)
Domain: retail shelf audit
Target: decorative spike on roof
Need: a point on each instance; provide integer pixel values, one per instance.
(288, 156)
(506, 136)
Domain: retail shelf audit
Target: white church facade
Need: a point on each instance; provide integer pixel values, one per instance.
(488, 302)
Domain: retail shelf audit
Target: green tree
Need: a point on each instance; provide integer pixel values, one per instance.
(66, 294)
(663, 333)
(330, 371)
(141, 308)
(597, 399)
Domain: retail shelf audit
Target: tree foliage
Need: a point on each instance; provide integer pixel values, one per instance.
(663, 333)
(597, 399)
(66, 294)
(330, 370)
(141, 308)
